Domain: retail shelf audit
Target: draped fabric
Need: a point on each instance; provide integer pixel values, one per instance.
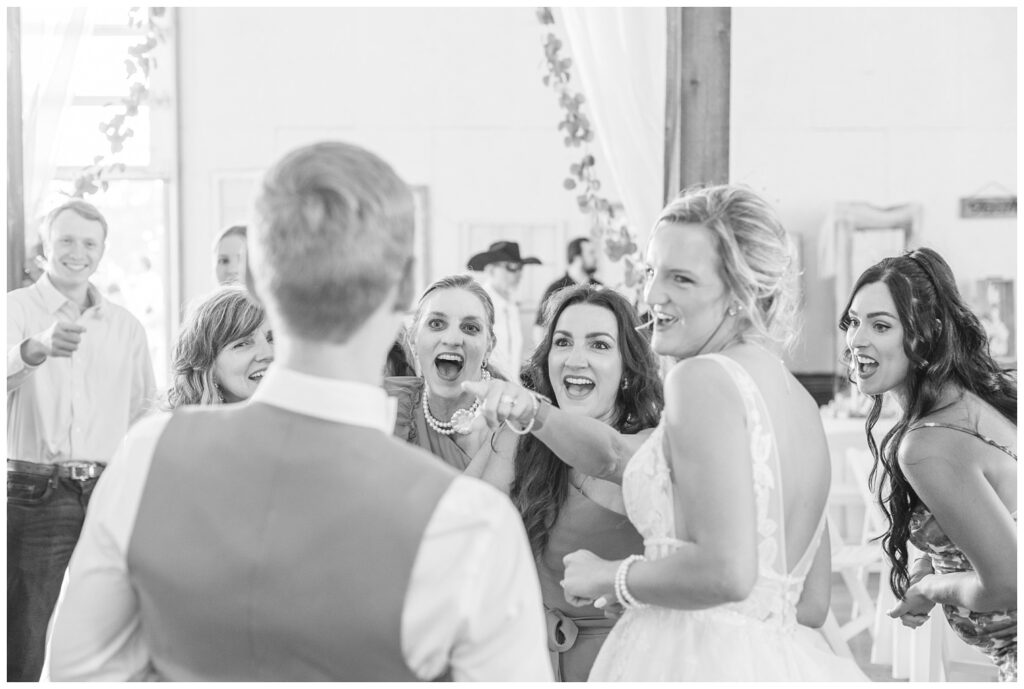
(51, 42)
(619, 55)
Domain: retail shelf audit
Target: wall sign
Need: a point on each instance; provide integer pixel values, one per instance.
(988, 207)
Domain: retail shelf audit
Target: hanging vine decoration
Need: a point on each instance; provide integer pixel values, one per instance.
(617, 238)
(138, 64)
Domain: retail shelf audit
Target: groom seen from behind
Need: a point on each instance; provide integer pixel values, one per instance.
(291, 537)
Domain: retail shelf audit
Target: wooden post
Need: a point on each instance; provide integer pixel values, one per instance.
(697, 97)
(15, 166)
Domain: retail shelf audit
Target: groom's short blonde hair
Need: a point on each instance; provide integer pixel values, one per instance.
(332, 235)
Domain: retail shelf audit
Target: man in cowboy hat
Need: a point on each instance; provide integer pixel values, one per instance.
(502, 267)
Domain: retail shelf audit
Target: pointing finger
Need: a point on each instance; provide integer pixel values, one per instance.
(477, 387)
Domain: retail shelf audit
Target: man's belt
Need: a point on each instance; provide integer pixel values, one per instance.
(77, 470)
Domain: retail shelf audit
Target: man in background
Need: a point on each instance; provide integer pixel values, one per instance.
(78, 375)
(581, 257)
(502, 267)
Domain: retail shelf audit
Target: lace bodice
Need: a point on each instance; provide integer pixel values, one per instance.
(649, 497)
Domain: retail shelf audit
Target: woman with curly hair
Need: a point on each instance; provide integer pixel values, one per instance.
(224, 348)
(592, 362)
(949, 465)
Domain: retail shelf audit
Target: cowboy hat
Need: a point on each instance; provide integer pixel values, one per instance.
(500, 252)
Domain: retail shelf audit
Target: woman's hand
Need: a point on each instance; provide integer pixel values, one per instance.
(503, 400)
(588, 578)
(915, 608)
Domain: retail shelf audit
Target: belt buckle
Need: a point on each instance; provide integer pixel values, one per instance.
(82, 472)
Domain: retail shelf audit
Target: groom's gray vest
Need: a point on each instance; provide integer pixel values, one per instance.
(275, 546)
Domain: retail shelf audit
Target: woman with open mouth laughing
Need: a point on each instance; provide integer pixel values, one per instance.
(450, 338)
(949, 465)
(602, 380)
(224, 348)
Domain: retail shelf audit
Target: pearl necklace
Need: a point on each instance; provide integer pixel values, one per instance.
(459, 422)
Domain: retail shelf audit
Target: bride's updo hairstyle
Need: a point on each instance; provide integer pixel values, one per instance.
(757, 258)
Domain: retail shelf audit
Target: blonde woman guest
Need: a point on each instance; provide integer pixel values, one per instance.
(451, 339)
(223, 351)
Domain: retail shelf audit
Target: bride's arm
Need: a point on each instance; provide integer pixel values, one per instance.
(589, 445)
(706, 445)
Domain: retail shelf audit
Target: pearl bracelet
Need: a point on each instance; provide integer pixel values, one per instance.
(622, 593)
(528, 427)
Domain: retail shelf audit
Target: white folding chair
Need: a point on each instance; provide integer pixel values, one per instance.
(858, 466)
(849, 560)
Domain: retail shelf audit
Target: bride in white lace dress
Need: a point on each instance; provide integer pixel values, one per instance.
(729, 492)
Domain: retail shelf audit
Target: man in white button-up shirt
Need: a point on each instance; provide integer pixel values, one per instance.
(78, 375)
(291, 537)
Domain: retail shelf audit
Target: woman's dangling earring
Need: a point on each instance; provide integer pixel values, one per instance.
(216, 389)
(734, 309)
(625, 383)
(484, 373)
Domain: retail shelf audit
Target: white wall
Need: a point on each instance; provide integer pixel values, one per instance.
(886, 106)
(452, 98)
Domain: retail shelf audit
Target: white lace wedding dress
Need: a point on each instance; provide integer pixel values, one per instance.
(757, 639)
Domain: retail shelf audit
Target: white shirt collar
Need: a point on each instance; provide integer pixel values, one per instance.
(55, 300)
(499, 301)
(340, 401)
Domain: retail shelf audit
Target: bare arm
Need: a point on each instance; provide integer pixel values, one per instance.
(589, 445)
(713, 481)
(970, 513)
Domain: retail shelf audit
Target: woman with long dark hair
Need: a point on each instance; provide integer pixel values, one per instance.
(591, 361)
(948, 467)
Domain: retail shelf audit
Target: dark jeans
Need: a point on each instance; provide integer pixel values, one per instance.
(44, 518)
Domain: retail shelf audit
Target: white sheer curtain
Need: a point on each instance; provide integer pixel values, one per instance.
(50, 42)
(619, 55)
